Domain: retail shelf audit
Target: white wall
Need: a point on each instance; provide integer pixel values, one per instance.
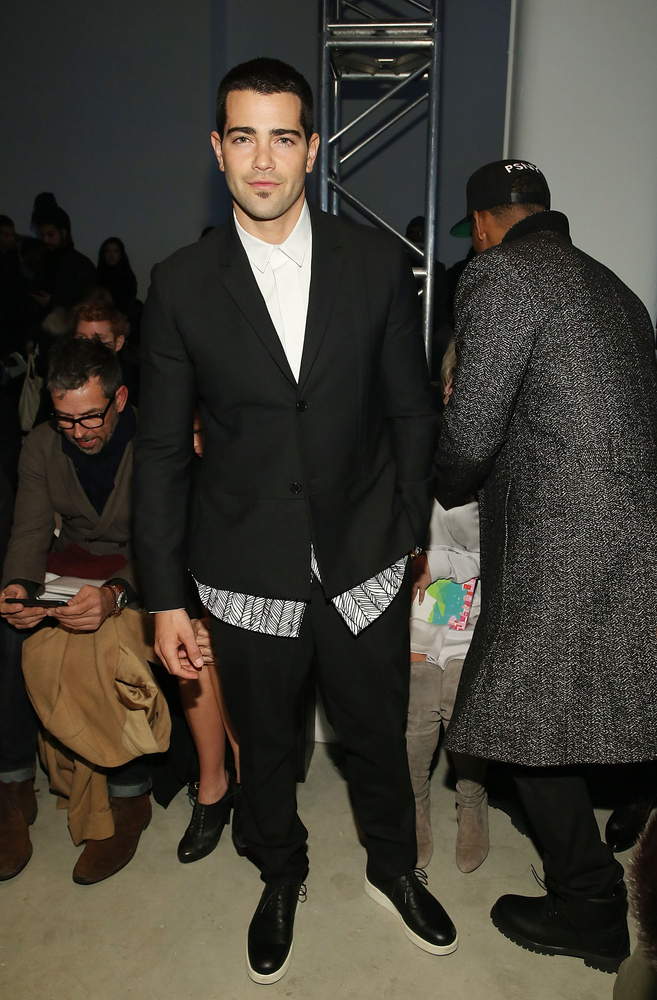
(107, 104)
(583, 108)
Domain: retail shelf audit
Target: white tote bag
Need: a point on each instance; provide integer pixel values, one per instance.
(30, 398)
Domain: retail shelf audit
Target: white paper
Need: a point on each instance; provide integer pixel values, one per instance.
(59, 588)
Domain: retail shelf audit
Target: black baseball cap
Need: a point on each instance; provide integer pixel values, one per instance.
(491, 186)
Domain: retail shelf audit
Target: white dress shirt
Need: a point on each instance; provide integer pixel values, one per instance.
(283, 276)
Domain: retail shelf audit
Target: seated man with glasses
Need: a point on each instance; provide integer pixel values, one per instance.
(77, 468)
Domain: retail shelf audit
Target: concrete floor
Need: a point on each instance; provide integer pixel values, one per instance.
(163, 931)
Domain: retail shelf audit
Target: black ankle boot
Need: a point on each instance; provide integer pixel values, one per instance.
(592, 929)
(205, 828)
(626, 823)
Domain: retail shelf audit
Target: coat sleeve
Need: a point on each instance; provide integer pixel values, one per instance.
(408, 400)
(163, 453)
(494, 334)
(34, 517)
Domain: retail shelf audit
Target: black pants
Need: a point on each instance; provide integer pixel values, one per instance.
(364, 682)
(19, 724)
(576, 861)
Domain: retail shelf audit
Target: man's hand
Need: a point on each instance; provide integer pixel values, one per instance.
(421, 576)
(201, 628)
(176, 645)
(87, 611)
(16, 614)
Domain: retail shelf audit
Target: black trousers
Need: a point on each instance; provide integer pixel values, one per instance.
(576, 861)
(19, 724)
(364, 683)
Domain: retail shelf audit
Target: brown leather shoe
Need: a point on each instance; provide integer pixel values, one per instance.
(102, 858)
(18, 810)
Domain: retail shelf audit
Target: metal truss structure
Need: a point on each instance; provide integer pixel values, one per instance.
(361, 45)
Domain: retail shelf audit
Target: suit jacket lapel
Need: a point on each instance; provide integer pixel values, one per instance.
(327, 263)
(243, 288)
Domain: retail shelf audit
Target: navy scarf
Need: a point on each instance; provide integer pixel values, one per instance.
(97, 472)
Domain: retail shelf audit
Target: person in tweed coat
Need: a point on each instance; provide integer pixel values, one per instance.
(553, 419)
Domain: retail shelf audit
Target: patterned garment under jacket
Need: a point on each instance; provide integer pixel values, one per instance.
(358, 607)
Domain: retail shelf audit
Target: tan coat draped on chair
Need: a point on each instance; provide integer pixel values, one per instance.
(95, 694)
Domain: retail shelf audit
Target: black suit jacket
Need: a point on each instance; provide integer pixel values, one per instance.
(343, 458)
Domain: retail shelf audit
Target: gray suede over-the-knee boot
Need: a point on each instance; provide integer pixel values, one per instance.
(422, 732)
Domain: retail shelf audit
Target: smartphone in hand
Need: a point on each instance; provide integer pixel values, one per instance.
(35, 602)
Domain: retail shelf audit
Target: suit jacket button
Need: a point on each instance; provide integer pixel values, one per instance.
(296, 487)
(302, 405)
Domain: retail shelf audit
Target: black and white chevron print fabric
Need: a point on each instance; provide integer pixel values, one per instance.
(362, 605)
(358, 607)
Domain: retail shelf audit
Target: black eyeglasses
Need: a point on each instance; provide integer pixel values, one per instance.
(91, 420)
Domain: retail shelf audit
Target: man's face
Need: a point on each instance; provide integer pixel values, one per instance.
(7, 238)
(53, 237)
(264, 153)
(102, 329)
(86, 401)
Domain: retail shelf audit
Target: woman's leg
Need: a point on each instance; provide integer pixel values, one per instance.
(209, 732)
(422, 732)
(228, 726)
(472, 842)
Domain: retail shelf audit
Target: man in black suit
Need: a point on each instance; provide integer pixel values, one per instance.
(299, 335)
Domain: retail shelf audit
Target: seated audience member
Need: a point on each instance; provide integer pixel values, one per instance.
(64, 274)
(103, 320)
(78, 466)
(8, 237)
(207, 718)
(12, 289)
(116, 275)
(437, 654)
(44, 204)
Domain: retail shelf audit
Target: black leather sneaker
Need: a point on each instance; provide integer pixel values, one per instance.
(271, 932)
(424, 920)
(594, 930)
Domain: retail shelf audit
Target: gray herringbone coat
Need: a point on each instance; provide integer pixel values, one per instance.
(554, 411)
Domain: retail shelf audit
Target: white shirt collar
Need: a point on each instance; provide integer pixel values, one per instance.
(295, 246)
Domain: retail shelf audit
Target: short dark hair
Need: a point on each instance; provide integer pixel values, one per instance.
(523, 184)
(57, 217)
(267, 76)
(73, 361)
(6, 221)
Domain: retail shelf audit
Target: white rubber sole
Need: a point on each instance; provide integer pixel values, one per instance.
(433, 949)
(273, 977)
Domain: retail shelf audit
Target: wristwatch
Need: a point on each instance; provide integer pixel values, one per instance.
(417, 551)
(120, 598)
